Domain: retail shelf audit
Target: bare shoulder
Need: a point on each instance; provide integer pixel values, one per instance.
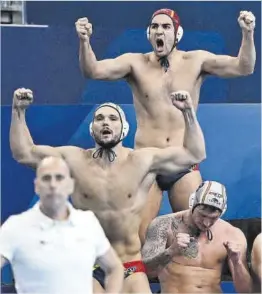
(69, 150)
(233, 232)
(132, 57)
(161, 222)
(196, 54)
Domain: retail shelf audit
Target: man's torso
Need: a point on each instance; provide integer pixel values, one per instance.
(198, 268)
(115, 192)
(160, 124)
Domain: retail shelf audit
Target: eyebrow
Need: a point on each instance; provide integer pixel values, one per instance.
(163, 24)
(208, 215)
(110, 115)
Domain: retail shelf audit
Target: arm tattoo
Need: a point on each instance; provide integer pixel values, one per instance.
(154, 252)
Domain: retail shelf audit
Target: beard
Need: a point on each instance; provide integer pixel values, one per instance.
(107, 145)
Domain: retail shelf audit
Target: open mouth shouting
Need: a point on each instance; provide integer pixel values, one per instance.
(106, 132)
(159, 44)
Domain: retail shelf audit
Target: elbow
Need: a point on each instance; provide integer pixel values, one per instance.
(86, 73)
(21, 156)
(200, 156)
(246, 67)
(247, 71)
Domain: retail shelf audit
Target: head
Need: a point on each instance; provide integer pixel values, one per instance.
(164, 31)
(109, 125)
(205, 216)
(53, 183)
(209, 202)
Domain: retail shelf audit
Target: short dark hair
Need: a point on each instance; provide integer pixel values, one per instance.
(209, 208)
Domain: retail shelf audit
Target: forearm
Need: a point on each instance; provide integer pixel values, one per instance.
(155, 263)
(241, 278)
(247, 53)
(194, 140)
(114, 280)
(21, 141)
(87, 59)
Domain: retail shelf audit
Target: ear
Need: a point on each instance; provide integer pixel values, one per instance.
(148, 33)
(71, 186)
(36, 186)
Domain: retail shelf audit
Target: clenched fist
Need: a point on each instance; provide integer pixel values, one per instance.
(183, 239)
(22, 98)
(247, 21)
(83, 29)
(233, 251)
(182, 100)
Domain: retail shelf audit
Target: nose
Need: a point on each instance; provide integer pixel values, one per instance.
(105, 123)
(159, 30)
(52, 183)
(207, 223)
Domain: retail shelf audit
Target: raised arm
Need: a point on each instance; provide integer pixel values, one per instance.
(176, 159)
(21, 143)
(244, 63)
(237, 262)
(108, 69)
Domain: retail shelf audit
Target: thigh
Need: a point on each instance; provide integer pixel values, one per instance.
(137, 283)
(97, 288)
(180, 192)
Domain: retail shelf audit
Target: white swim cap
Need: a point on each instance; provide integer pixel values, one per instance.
(125, 125)
(210, 193)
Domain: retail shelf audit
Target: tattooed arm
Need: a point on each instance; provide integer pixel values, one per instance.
(155, 255)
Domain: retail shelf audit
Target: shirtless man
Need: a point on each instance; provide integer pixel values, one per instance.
(111, 180)
(152, 77)
(187, 249)
(256, 264)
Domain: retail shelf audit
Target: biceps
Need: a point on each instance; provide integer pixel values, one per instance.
(112, 69)
(221, 65)
(173, 161)
(152, 248)
(38, 152)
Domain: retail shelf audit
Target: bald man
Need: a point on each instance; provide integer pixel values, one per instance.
(51, 243)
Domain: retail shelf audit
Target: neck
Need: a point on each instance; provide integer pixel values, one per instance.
(60, 214)
(105, 154)
(189, 222)
(169, 56)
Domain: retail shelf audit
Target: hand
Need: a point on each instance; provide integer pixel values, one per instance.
(233, 251)
(247, 21)
(84, 29)
(183, 240)
(181, 100)
(22, 98)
